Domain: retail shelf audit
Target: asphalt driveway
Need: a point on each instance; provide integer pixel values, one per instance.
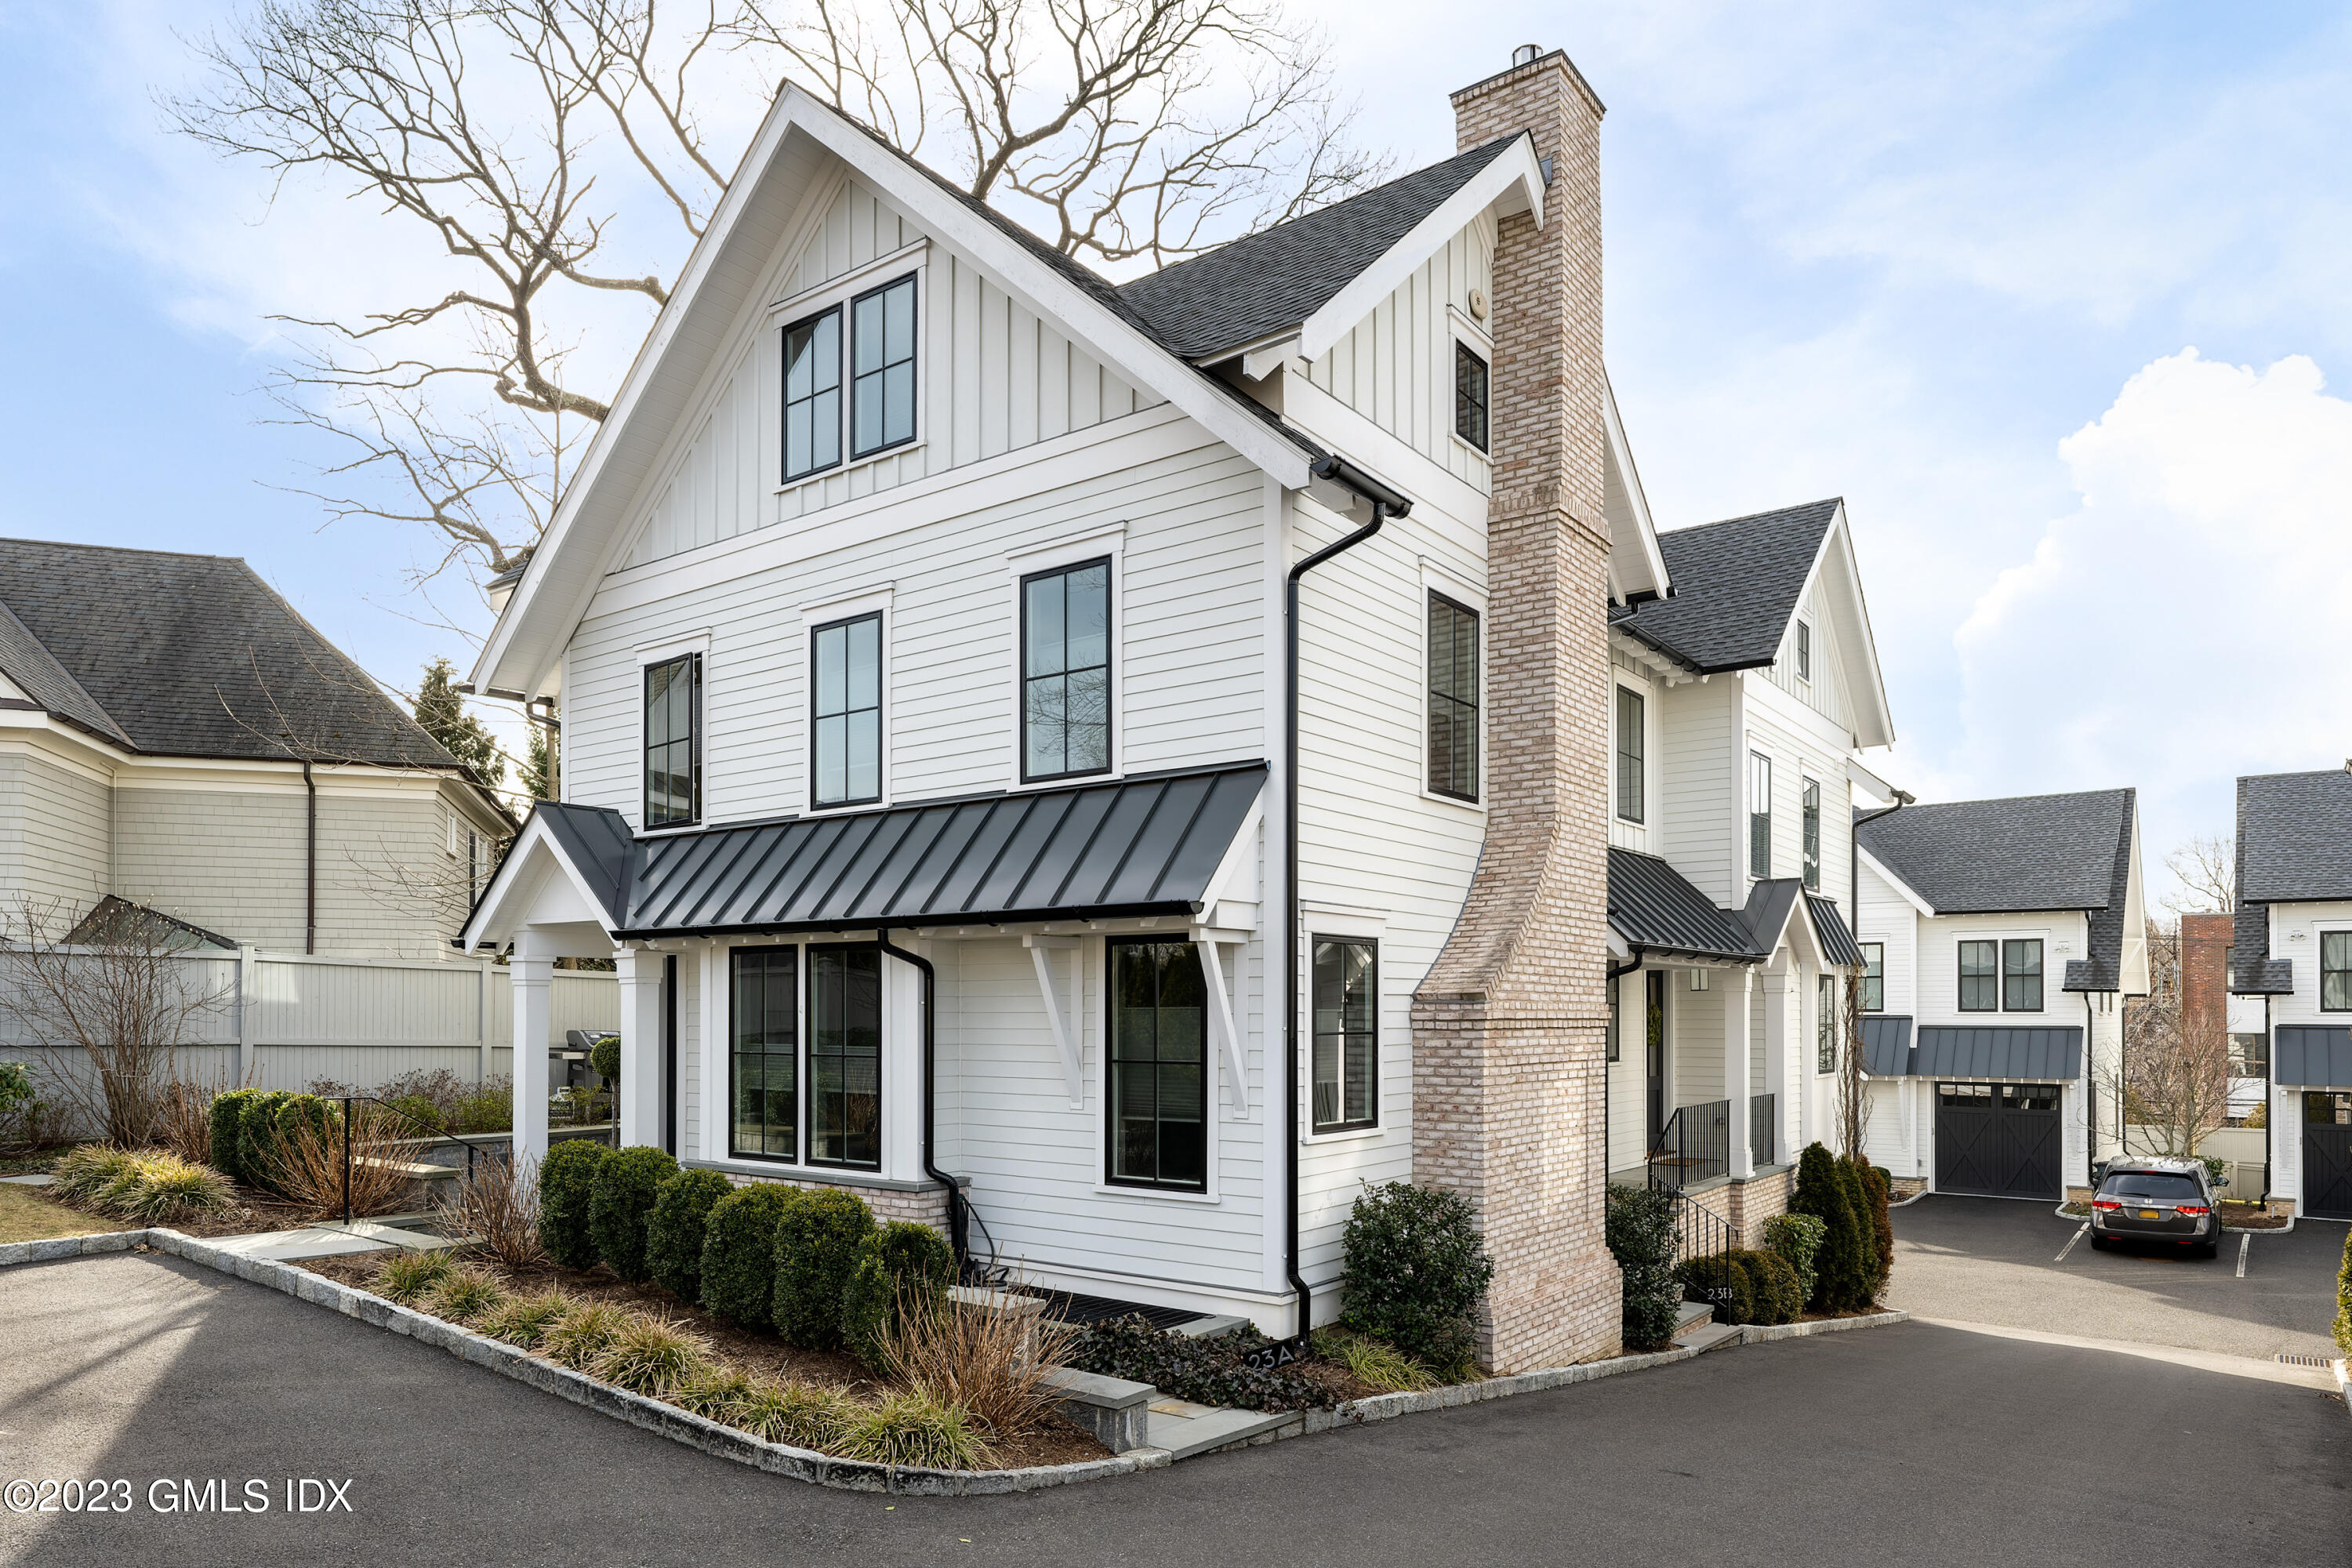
(1995, 1261)
(1909, 1444)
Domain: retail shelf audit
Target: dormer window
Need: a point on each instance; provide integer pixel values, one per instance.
(1469, 396)
(1804, 651)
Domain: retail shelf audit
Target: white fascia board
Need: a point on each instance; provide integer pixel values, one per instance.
(1027, 279)
(534, 849)
(1513, 182)
(1645, 572)
(1877, 788)
(1903, 889)
(1871, 683)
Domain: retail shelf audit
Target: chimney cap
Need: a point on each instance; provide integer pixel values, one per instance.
(1525, 54)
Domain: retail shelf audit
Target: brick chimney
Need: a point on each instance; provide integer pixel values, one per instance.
(1509, 1026)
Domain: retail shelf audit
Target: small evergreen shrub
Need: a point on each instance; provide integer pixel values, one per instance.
(674, 1230)
(620, 1201)
(916, 1429)
(1640, 1229)
(406, 1277)
(2343, 1326)
(1206, 1370)
(1772, 1287)
(257, 1138)
(1875, 1186)
(604, 1058)
(227, 1120)
(1720, 1282)
(1842, 1280)
(798, 1414)
(902, 1267)
(652, 1356)
(1416, 1270)
(1796, 1240)
(567, 1186)
(816, 1247)
(302, 1111)
(1865, 1240)
(738, 1253)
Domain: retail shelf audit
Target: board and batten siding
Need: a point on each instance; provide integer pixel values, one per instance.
(1396, 367)
(1825, 693)
(992, 378)
(55, 832)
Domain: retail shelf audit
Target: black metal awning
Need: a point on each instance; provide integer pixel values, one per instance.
(1137, 846)
(1887, 1045)
(2310, 1057)
(2038, 1055)
(1653, 907)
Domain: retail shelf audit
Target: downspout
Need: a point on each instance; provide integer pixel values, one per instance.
(930, 1040)
(2091, 1082)
(1611, 975)
(1386, 503)
(311, 861)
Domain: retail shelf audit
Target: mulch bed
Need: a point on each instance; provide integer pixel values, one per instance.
(1058, 1442)
(2253, 1217)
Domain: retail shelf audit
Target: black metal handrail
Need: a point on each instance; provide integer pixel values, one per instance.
(1763, 1129)
(437, 1130)
(1703, 1237)
(1694, 1145)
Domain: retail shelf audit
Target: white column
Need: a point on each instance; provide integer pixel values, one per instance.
(530, 976)
(1736, 1002)
(1783, 991)
(641, 1068)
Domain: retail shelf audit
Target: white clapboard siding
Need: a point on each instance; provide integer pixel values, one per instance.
(1396, 367)
(1625, 834)
(1800, 750)
(55, 832)
(1891, 920)
(1695, 1020)
(992, 379)
(1938, 985)
(1695, 778)
(1628, 1084)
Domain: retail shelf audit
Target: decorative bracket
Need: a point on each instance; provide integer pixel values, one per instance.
(1065, 1042)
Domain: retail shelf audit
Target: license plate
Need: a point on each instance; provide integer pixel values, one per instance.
(2150, 1214)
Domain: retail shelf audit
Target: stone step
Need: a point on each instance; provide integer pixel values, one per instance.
(1709, 1337)
(1209, 1328)
(1690, 1314)
(1183, 1435)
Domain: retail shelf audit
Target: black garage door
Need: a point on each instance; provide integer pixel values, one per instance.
(1999, 1140)
(2328, 1155)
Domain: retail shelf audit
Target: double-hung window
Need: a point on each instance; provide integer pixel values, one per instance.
(1979, 978)
(813, 396)
(2335, 972)
(882, 368)
(1470, 396)
(2021, 975)
(1760, 815)
(1812, 825)
(1347, 1033)
(844, 1066)
(1825, 1025)
(846, 712)
(766, 1053)
(1874, 977)
(673, 761)
(1453, 699)
(1158, 1131)
(1631, 784)
(1065, 635)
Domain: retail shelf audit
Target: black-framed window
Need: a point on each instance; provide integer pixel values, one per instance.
(1760, 815)
(882, 367)
(846, 712)
(2335, 972)
(844, 1056)
(1616, 1019)
(1347, 1033)
(2021, 975)
(765, 1055)
(1825, 1023)
(673, 752)
(1453, 694)
(1979, 978)
(2327, 1108)
(1873, 976)
(1470, 395)
(1158, 1131)
(1813, 835)
(812, 395)
(1631, 785)
(1804, 651)
(1066, 631)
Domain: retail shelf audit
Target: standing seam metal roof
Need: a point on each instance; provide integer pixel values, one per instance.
(2313, 1057)
(2037, 1055)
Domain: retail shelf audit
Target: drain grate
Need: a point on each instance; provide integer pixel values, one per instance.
(2286, 1360)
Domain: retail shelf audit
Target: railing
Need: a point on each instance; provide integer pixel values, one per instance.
(350, 1100)
(1694, 1145)
(1763, 1130)
(1704, 1241)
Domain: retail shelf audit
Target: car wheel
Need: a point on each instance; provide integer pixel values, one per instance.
(2099, 1244)
(2210, 1249)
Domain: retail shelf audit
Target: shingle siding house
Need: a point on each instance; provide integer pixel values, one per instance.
(172, 733)
(923, 622)
(2000, 937)
(2292, 959)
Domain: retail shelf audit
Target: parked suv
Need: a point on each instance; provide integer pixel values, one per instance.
(2156, 1200)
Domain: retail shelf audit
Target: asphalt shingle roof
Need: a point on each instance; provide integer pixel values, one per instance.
(189, 655)
(1271, 281)
(2257, 974)
(1737, 584)
(2295, 837)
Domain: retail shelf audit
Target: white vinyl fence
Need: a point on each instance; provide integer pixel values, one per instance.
(284, 1021)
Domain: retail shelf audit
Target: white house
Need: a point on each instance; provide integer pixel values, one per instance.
(2292, 966)
(2000, 937)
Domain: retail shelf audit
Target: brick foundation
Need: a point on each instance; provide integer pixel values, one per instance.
(1748, 1205)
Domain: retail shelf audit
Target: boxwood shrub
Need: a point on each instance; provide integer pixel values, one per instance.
(227, 1120)
(620, 1201)
(738, 1253)
(1796, 1240)
(674, 1230)
(567, 1185)
(902, 1266)
(1772, 1286)
(816, 1247)
(1415, 1272)
(301, 1110)
(1640, 1230)
(257, 1138)
(1722, 1283)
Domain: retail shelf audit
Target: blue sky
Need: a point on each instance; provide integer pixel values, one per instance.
(2053, 295)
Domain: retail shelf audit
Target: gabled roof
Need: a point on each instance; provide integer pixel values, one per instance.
(1736, 586)
(1655, 908)
(189, 655)
(1272, 281)
(2295, 837)
(2255, 971)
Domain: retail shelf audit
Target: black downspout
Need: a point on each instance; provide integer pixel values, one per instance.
(1386, 503)
(2091, 1075)
(669, 1052)
(1613, 974)
(311, 861)
(1853, 892)
(930, 1040)
(2270, 1093)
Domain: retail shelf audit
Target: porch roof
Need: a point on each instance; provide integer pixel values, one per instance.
(2312, 1057)
(1655, 906)
(1887, 1045)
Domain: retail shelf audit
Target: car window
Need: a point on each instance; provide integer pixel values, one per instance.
(2151, 1185)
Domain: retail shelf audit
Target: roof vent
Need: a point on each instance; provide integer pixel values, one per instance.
(1525, 55)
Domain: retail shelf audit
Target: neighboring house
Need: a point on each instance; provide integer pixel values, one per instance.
(174, 735)
(2293, 958)
(2205, 944)
(1739, 706)
(920, 620)
(2001, 938)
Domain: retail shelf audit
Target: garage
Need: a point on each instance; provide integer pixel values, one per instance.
(2000, 1140)
(2317, 1062)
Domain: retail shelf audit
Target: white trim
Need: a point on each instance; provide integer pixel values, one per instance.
(830, 611)
(1097, 950)
(1097, 544)
(1067, 1045)
(856, 280)
(838, 294)
(1653, 560)
(1341, 923)
(1480, 337)
(1068, 550)
(1434, 577)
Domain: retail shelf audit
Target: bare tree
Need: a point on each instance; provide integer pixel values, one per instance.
(1852, 1097)
(528, 143)
(2172, 1084)
(2206, 873)
(123, 995)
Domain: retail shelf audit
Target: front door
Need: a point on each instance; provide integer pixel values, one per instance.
(1654, 1036)
(2328, 1155)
